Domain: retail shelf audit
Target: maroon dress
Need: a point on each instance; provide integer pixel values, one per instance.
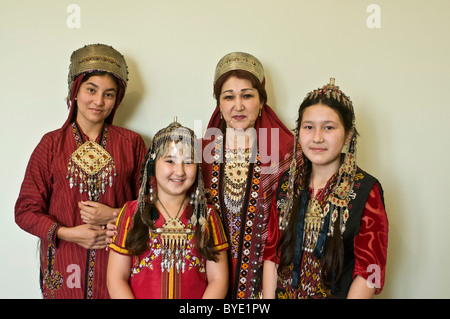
(47, 202)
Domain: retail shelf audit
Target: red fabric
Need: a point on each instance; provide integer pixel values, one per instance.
(268, 120)
(270, 173)
(370, 245)
(274, 234)
(147, 281)
(47, 202)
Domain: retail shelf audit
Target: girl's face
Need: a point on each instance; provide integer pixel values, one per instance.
(175, 172)
(95, 99)
(322, 135)
(239, 103)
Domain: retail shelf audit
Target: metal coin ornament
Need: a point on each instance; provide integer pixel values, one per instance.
(173, 237)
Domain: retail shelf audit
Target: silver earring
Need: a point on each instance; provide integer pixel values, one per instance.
(152, 191)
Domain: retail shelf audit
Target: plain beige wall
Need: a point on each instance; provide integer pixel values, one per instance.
(397, 75)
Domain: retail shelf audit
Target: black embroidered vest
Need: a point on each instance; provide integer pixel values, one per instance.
(363, 185)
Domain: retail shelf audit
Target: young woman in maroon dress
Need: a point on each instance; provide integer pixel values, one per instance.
(79, 176)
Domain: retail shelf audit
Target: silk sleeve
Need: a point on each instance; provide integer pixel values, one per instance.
(274, 234)
(370, 245)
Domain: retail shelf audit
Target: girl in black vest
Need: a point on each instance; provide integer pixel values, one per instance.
(329, 228)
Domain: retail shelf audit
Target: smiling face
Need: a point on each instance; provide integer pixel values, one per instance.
(175, 172)
(322, 135)
(239, 103)
(95, 99)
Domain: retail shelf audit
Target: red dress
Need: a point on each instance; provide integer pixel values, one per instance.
(147, 280)
(46, 202)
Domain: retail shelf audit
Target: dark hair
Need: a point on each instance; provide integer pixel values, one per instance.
(119, 96)
(240, 74)
(88, 74)
(333, 258)
(138, 236)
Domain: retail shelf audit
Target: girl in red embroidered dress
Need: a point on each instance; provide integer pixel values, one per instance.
(167, 245)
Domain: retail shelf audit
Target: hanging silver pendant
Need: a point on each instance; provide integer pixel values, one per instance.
(173, 237)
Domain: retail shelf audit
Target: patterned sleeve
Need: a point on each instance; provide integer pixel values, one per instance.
(123, 224)
(370, 245)
(218, 233)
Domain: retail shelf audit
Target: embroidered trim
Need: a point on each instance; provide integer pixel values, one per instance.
(90, 267)
(245, 242)
(52, 279)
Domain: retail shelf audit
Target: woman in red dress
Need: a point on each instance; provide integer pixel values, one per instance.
(245, 149)
(79, 176)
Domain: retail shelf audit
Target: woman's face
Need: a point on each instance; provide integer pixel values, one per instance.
(239, 103)
(322, 135)
(95, 99)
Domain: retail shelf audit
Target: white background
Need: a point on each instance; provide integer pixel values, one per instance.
(397, 76)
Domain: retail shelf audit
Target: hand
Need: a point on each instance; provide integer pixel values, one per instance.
(95, 213)
(111, 230)
(87, 236)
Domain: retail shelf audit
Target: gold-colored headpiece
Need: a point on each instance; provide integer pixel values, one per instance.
(239, 61)
(99, 57)
(331, 91)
